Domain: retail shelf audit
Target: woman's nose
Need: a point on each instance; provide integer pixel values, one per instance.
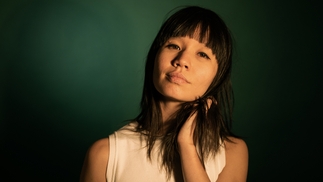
(183, 60)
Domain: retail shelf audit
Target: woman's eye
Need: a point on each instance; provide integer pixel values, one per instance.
(202, 54)
(173, 46)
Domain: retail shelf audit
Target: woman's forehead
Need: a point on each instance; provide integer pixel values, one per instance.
(197, 33)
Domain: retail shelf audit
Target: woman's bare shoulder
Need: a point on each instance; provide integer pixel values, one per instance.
(99, 150)
(96, 160)
(236, 167)
(235, 144)
(100, 146)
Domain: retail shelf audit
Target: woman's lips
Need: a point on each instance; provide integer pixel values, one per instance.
(176, 78)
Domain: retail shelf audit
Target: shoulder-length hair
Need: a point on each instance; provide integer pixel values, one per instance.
(213, 126)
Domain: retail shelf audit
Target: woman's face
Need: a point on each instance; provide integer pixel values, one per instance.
(184, 69)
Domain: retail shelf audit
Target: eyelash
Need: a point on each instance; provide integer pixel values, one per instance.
(202, 54)
(174, 46)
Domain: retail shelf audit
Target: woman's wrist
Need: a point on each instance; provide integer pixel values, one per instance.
(186, 147)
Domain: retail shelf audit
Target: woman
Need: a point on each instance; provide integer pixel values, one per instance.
(183, 130)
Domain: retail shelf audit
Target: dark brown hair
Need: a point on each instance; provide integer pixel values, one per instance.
(213, 126)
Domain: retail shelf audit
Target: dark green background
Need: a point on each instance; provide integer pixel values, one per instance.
(72, 71)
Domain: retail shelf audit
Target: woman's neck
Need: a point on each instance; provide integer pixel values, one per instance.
(168, 108)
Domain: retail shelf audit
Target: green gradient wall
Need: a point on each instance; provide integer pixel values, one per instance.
(71, 72)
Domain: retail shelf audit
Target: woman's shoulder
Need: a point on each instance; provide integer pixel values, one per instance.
(129, 127)
(235, 144)
(236, 154)
(96, 161)
(127, 132)
(100, 146)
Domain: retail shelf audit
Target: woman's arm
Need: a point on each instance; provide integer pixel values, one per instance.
(236, 167)
(192, 168)
(236, 152)
(95, 163)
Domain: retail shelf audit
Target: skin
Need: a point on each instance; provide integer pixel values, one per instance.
(183, 71)
(236, 167)
(199, 65)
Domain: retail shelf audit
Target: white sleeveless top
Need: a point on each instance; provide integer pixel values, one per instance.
(128, 160)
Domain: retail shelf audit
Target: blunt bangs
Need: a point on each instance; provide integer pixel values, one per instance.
(202, 25)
